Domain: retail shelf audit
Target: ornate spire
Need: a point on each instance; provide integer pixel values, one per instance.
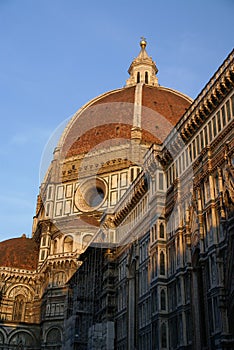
(143, 69)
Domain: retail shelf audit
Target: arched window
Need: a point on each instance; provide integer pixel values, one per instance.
(138, 77)
(146, 78)
(68, 244)
(22, 340)
(161, 230)
(162, 264)
(154, 265)
(55, 247)
(54, 337)
(163, 299)
(19, 308)
(163, 336)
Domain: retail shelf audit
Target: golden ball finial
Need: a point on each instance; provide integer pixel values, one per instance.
(143, 42)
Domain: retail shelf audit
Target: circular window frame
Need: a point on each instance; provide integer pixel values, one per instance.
(85, 189)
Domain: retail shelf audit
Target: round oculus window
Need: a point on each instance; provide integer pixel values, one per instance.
(91, 194)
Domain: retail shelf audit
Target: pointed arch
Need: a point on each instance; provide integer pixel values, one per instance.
(162, 263)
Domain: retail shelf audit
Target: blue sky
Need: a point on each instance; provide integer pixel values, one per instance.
(55, 55)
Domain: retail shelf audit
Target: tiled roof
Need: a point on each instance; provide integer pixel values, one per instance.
(21, 253)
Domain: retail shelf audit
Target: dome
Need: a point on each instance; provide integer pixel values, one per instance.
(142, 106)
(110, 117)
(20, 253)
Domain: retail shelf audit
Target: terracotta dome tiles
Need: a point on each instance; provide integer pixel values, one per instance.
(110, 117)
(20, 253)
(167, 102)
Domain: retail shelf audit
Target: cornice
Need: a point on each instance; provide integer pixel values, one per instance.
(13, 271)
(130, 199)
